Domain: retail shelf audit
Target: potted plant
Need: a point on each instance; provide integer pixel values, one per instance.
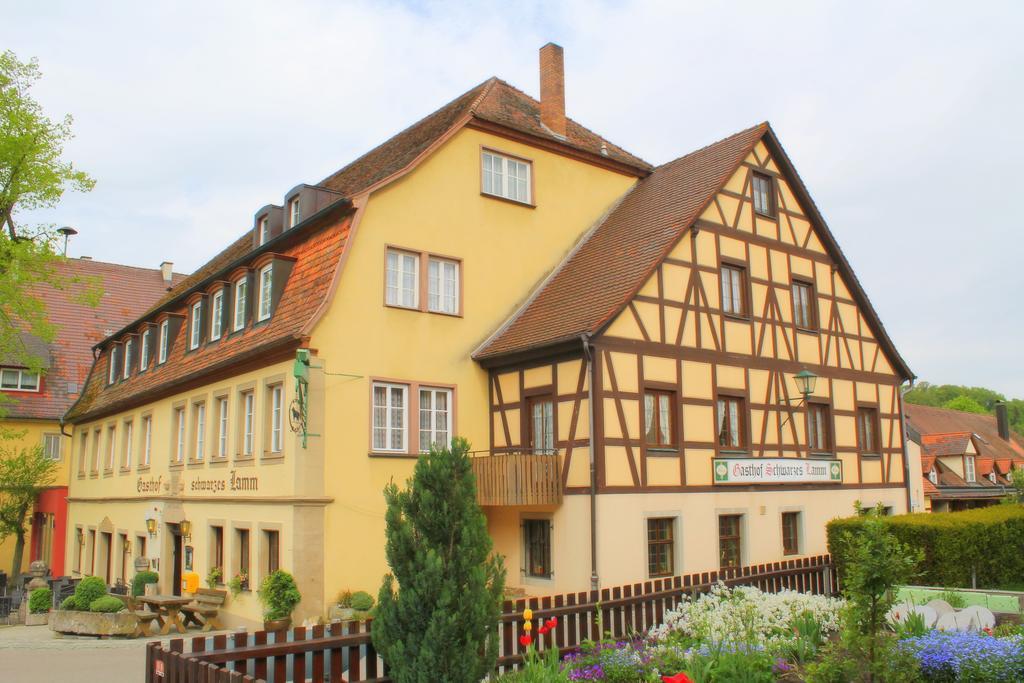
(238, 583)
(362, 603)
(213, 577)
(142, 580)
(39, 607)
(342, 609)
(279, 596)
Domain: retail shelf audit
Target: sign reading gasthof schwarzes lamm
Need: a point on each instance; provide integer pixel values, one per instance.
(777, 471)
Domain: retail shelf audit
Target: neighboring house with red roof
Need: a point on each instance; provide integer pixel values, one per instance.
(611, 337)
(966, 468)
(37, 403)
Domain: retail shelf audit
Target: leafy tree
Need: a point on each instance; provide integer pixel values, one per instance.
(966, 404)
(439, 608)
(33, 175)
(24, 473)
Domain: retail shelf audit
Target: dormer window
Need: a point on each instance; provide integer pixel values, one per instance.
(266, 288)
(128, 358)
(216, 314)
(933, 477)
(144, 352)
(970, 476)
(264, 230)
(241, 300)
(16, 379)
(992, 477)
(195, 329)
(294, 212)
(506, 177)
(164, 341)
(112, 374)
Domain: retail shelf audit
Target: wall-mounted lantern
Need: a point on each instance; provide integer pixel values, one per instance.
(151, 526)
(185, 527)
(805, 382)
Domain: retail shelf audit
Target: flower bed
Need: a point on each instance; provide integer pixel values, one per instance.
(972, 657)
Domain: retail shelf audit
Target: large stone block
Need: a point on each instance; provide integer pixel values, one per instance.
(93, 623)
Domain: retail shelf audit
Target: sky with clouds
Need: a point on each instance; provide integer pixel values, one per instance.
(904, 120)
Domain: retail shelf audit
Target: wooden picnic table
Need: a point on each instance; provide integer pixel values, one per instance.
(168, 609)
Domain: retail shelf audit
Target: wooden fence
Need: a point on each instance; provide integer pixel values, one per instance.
(344, 652)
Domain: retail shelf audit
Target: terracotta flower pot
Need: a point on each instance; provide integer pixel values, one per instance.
(278, 624)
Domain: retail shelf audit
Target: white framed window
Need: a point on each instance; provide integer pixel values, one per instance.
(264, 230)
(266, 286)
(276, 418)
(112, 375)
(126, 460)
(147, 440)
(403, 277)
(128, 358)
(216, 314)
(111, 447)
(144, 352)
(506, 177)
(390, 413)
(933, 476)
(443, 285)
(164, 341)
(294, 212)
(179, 442)
(970, 475)
(196, 325)
(222, 427)
(248, 404)
(435, 418)
(200, 431)
(51, 446)
(241, 300)
(15, 379)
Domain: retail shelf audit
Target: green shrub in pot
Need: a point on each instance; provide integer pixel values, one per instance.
(106, 603)
(140, 580)
(40, 600)
(362, 601)
(87, 590)
(279, 596)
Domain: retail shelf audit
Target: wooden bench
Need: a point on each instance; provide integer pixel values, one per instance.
(145, 617)
(204, 608)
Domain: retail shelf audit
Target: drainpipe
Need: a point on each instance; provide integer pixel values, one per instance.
(906, 454)
(594, 582)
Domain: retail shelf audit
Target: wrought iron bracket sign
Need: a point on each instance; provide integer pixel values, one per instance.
(777, 471)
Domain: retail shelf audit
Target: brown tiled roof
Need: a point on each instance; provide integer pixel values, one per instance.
(927, 463)
(600, 276)
(929, 487)
(954, 443)
(927, 420)
(495, 101)
(127, 290)
(316, 255)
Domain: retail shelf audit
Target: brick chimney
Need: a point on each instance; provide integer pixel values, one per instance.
(1002, 421)
(552, 88)
(167, 271)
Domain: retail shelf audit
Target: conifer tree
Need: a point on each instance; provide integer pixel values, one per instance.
(439, 607)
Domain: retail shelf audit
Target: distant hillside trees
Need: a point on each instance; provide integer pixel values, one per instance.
(967, 399)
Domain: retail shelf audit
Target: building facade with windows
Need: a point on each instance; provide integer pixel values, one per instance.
(960, 460)
(36, 401)
(618, 342)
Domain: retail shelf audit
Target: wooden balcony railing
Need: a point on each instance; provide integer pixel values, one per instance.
(518, 478)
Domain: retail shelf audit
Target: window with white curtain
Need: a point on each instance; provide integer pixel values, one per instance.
(390, 411)
(435, 418)
(443, 286)
(266, 287)
(217, 314)
(506, 177)
(402, 279)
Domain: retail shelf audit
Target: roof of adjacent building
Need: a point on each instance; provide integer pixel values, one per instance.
(599, 277)
(954, 443)
(930, 420)
(126, 291)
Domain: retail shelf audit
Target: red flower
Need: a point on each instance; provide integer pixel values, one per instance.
(552, 622)
(525, 640)
(543, 629)
(678, 678)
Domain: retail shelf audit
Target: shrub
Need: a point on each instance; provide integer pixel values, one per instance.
(986, 541)
(69, 603)
(40, 601)
(438, 609)
(214, 576)
(87, 590)
(106, 603)
(955, 600)
(345, 598)
(279, 595)
(361, 601)
(140, 580)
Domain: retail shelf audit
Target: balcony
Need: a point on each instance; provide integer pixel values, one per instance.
(518, 478)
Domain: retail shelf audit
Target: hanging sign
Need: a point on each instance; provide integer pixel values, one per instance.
(777, 471)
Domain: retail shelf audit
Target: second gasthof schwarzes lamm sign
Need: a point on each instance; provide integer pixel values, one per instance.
(777, 471)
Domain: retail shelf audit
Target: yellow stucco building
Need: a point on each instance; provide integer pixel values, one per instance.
(497, 271)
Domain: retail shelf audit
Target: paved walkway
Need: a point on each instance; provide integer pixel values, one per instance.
(32, 654)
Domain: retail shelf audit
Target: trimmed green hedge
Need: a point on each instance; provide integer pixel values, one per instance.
(988, 540)
(141, 579)
(40, 600)
(87, 590)
(106, 603)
